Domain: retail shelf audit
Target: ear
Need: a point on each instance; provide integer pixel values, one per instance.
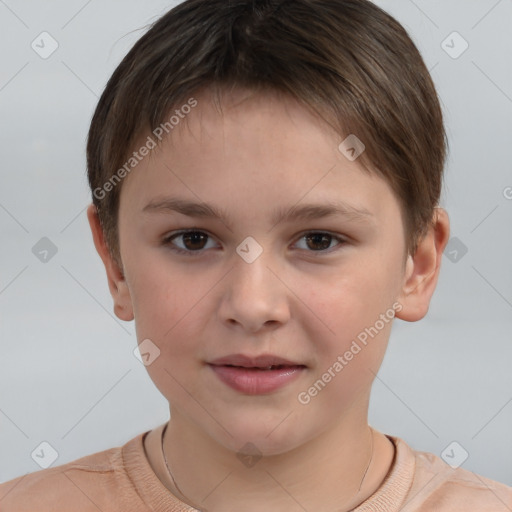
(422, 270)
(116, 281)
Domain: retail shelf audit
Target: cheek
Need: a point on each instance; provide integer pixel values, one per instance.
(348, 297)
(169, 307)
(159, 299)
(351, 307)
(349, 357)
(165, 309)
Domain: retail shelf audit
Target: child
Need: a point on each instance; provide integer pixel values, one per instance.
(264, 128)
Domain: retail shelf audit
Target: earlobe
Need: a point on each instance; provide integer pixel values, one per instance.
(422, 270)
(116, 280)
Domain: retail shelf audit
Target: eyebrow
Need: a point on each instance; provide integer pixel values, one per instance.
(283, 214)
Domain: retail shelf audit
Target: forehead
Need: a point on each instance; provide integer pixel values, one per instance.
(252, 150)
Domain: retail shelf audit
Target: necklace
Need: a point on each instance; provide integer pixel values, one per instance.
(188, 501)
(167, 465)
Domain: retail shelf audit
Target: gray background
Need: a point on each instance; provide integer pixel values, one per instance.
(67, 372)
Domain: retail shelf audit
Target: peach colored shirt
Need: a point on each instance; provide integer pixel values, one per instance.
(121, 479)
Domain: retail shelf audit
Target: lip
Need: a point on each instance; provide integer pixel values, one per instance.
(261, 361)
(250, 375)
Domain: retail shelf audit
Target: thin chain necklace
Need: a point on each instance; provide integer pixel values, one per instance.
(188, 501)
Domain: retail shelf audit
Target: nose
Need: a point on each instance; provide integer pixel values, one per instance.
(254, 296)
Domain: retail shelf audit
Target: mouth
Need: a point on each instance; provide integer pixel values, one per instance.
(261, 362)
(262, 369)
(256, 375)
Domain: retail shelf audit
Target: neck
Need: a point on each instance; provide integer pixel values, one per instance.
(337, 475)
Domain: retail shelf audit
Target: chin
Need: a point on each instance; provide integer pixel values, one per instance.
(261, 437)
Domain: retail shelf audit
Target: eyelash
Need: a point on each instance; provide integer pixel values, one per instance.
(168, 241)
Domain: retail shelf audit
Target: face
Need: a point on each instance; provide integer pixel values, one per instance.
(257, 282)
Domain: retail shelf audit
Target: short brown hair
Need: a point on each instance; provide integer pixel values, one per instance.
(347, 60)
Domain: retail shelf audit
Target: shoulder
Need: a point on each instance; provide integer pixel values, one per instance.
(83, 485)
(438, 486)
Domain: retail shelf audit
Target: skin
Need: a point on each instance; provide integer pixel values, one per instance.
(299, 299)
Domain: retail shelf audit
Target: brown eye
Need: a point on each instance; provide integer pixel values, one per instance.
(192, 242)
(320, 241)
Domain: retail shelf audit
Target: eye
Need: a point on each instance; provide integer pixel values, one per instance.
(320, 241)
(194, 241)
